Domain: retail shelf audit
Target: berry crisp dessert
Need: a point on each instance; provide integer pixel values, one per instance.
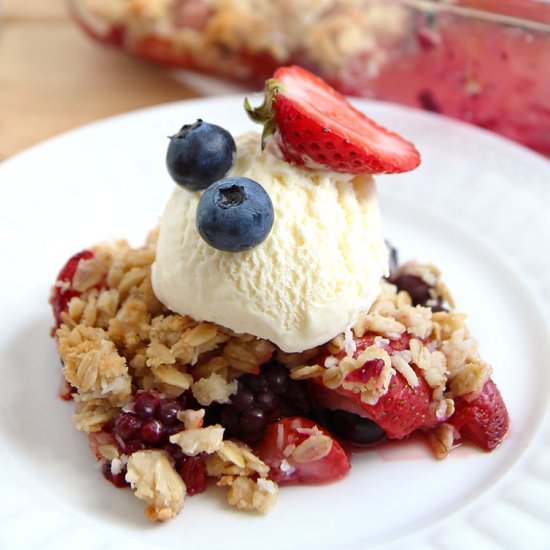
(266, 331)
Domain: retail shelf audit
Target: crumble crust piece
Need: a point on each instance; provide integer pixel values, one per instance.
(154, 480)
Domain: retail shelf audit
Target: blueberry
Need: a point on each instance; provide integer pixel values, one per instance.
(235, 214)
(200, 154)
(354, 428)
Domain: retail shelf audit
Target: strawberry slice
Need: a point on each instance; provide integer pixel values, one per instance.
(192, 470)
(400, 411)
(62, 291)
(315, 126)
(298, 451)
(483, 420)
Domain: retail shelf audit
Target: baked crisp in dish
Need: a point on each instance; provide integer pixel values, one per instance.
(218, 350)
(483, 62)
(246, 40)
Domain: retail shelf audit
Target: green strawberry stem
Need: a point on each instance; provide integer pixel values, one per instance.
(265, 114)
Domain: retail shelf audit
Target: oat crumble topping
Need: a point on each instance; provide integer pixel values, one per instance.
(154, 480)
(199, 440)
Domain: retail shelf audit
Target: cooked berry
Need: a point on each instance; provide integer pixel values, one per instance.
(174, 429)
(242, 399)
(192, 469)
(230, 419)
(174, 451)
(400, 411)
(168, 411)
(146, 404)
(152, 431)
(289, 433)
(118, 480)
(267, 401)
(256, 382)
(252, 420)
(354, 428)
(277, 377)
(297, 399)
(212, 413)
(417, 288)
(235, 214)
(261, 399)
(200, 154)
(183, 400)
(127, 426)
(129, 447)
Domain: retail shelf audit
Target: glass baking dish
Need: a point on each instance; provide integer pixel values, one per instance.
(483, 61)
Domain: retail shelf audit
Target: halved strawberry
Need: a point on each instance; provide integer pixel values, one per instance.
(299, 451)
(400, 411)
(317, 127)
(62, 291)
(483, 420)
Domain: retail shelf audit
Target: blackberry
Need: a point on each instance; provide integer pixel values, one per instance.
(421, 293)
(153, 421)
(146, 404)
(150, 425)
(260, 400)
(118, 480)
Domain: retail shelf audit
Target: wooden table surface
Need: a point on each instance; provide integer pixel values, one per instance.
(53, 78)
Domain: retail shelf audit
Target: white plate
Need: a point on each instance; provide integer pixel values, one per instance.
(478, 207)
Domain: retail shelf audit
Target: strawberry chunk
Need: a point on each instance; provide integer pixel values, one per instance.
(192, 469)
(62, 291)
(483, 420)
(399, 412)
(316, 126)
(298, 451)
(402, 410)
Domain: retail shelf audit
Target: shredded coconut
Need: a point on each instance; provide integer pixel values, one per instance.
(199, 440)
(286, 467)
(350, 346)
(116, 466)
(214, 388)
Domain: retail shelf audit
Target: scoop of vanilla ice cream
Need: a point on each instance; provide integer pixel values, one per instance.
(317, 271)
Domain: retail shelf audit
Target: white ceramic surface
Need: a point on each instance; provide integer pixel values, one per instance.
(479, 207)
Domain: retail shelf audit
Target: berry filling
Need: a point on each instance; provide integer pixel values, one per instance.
(298, 422)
